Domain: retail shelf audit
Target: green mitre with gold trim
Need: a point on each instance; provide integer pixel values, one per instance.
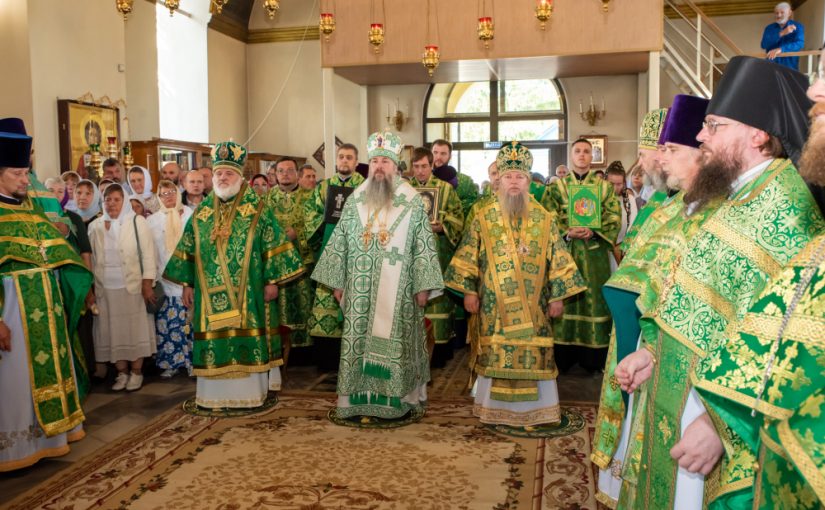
(651, 128)
(229, 155)
(514, 157)
(385, 144)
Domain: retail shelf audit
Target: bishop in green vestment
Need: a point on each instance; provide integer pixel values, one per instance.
(767, 380)
(287, 200)
(322, 212)
(447, 226)
(382, 263)
(767, 218)
(231, 259)
(583, 332)
(514, 270)
(44, 285)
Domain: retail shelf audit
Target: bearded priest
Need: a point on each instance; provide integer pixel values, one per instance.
(514, 271)
(230, 261)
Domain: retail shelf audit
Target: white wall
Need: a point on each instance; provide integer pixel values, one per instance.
(16, 84)
(228, 104)
(411, 100)
(812, 15)
(142, 72)
(183, 97)
(75, 48)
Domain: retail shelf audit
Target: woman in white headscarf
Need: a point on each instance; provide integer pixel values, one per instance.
(140, 180)
(174, 332)
(123, 258)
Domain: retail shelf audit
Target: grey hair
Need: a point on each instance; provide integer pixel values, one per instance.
(785, 5)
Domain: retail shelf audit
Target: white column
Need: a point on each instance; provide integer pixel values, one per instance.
(329, 121)
(653, 80)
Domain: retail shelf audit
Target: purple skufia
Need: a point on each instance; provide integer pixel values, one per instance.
(684, 121)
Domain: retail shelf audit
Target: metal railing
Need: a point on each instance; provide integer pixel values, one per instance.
(696, 49)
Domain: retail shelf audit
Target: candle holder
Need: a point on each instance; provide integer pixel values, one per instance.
(111, 148)
(544, 10)
(326, 24)
(431, 58)
(605, 5)
(172, 5)
(218, 4)
(377, 36)
(486, 30)
(124, 7)
(592, 115)
(94, 167)
(271, 7)
(128, 160)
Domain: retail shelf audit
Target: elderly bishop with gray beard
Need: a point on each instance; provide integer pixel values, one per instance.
(382, 263)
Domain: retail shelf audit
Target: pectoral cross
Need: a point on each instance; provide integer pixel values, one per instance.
(339, 200)
(42, 250)
(220, 233)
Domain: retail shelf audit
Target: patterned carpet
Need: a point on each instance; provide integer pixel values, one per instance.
(292, 457)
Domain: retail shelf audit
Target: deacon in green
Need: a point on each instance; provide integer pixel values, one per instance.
(582, 198)
(514, 270)
(382, 263)
(767, 381)
(44, 285)
(621, 292)
(321, 213)
(230, 261)
(633, 292)
(287, 200)
(768, 216)
(447, 227)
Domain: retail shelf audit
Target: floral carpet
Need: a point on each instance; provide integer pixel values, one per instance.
(292, 457)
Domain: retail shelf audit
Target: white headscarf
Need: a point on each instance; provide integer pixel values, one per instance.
(174, 224)
(126, 213)
(147, 183)
(94, 208)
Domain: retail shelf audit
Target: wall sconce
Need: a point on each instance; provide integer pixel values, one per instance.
(592, 115)
(397, 119)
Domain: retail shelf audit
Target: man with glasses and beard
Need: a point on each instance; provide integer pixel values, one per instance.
(766, 382)
(321, 213)
(382, 263)
(514, 272)
(767, 217)
(230, 261)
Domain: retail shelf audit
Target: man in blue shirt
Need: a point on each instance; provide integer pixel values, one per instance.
(784, 36)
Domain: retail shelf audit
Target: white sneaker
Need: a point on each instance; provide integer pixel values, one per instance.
(135, 382)
(169, 373)
(121, 381)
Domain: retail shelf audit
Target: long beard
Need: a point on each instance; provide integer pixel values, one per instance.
(378, 194)
(812, 161)
(656, 180)
(715, 178)
(513, 206)
(226, 192)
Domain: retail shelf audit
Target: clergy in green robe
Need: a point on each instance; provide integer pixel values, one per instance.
(768, 216)
(43, 285)
(514, 270)
(447, 227)
(766, 382)
(287, 201)
(583, 332)
(231, 259)
(382, 263)
(321, 213)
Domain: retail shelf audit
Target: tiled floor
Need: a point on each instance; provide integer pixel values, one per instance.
(110, 414)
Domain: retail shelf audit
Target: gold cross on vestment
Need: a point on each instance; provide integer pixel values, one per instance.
(220, 232)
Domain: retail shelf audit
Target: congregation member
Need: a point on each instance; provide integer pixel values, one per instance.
(308, 177)
(636, 182)
(287, 200)
(88, 200)
(171, 171)
(206, 172)
(582, 334)
(617, 177)
(113, 170)
(193, 189)
(382, 265)
(230, 260)
(71, 179)
(172, 327)
(138, 206)
(44, 284)
(259, 184)
(512, 249)
(495, 178)
(272, 175)
(321, 213)
(766, 381)
(447, 225)
(724, 266)
(140, 180)
(631, 291)
(783, 36)
(123, 258)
